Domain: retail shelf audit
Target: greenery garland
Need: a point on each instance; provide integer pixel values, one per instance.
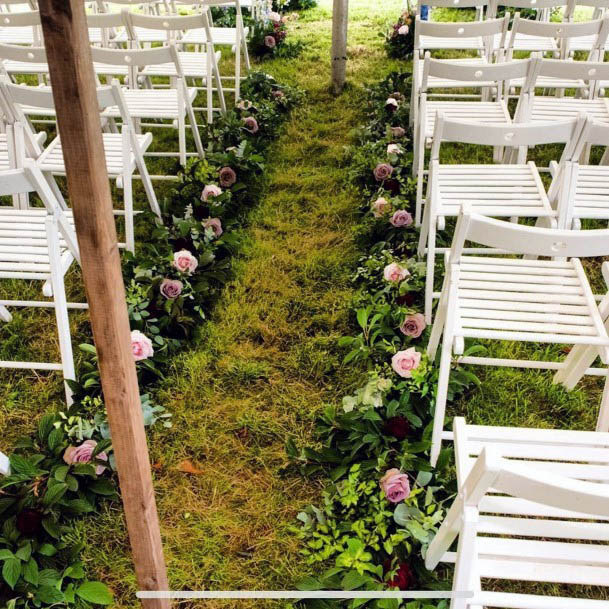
(66, 468)
(384, 502)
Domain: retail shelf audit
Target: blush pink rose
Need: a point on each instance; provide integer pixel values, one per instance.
(171, 288)
(215, 224)
(394, 149)
(383, 171)
(395, 485)
(403, 30)
(184, 261)
(141, 346)
(398, 131)
(274, 17)
(84, 454)
(270, 42)
(404, 362)
(211, 190)
(391, 104)
(380, 207)
(413, 325)
(401, 217)
(251, 124)
(394, 272)
(227, 176)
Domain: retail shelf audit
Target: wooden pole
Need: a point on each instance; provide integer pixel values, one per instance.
(69, 56)
(340, 19)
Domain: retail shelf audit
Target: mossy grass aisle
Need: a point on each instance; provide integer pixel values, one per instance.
(269, 357)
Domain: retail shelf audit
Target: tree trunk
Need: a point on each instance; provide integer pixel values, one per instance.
(340, 17)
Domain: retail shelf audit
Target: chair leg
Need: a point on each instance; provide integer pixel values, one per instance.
(147, 183)
(431, 264)
(128, 207)
(5, 314)
(182, 139)
(442, 393)
(195, 132)
(580, 358)
(61, 307)
(602, 423)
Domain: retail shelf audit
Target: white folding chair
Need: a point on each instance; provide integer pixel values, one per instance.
(583, 191)
(173, 104)
(235, 37)
(482, 7)
(195, 65)
(491, 35)
(502, 191)
(488, 112)
(533, 506)
(38, 244)
(105, 27)
(599, 11)
(21, 28)
(523, 300)
(544, 109)
(124, 151)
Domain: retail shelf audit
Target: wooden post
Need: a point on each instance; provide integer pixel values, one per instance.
(340, 19)
(66, 41)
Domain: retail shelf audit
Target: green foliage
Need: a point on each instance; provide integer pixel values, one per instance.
(269, 40)
(399, 40)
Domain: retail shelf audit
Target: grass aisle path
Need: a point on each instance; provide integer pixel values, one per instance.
(269, 358)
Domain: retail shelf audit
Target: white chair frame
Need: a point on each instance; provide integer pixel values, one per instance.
(510, 190)
(499, 299)
(21, 28)
(531, 492)
(5, 466)
(489, 112)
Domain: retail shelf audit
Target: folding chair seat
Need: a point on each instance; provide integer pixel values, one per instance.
(124, 151)
(533, 506)
(486, 112)
(37, 245)
(173, 104)
(508, 190)
(511, 299)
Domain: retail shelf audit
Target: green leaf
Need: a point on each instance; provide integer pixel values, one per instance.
(55, 439)
(6, 554)
(61, 473)
(102, 486)
(45, 425)
(54, 493)
(31, 573)
(46, 549)
(95, 592)
(308, 583)
(24, 552)
(51, 527)
(11, 571)
(354, 580)
(49, 595)
(20, 465)
(88, 348)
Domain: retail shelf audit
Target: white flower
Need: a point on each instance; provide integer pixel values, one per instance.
(394, 149)
(403, 30)
(391, 101)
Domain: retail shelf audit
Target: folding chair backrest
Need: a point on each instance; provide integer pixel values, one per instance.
(20, 19)
(511, 136)
(23, 54)
(138, 58)
(531, 4)
(477, 4)
(593, 133)
(106, 20)
(499, 72)
(172, 24)
(589, 71)
(462, 29)
(527, 240)
(558, 31)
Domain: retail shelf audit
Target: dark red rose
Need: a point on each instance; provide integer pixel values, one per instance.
(404, 579)
(406, 299)
(392, 185)
(29, 522)
(398, 427)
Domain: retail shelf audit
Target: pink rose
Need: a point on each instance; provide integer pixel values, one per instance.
(395, 485)
(83, 454)
(383, 171)
(394, 272)
(278, 94)
(398, 131)
(244, 104)
(141, 346)
(215, 224)
(391, 102)
(413, 325)
(184, 261)
(270, 42)
(380, 207)
(401, 218)
(211, 190)
(171, 288)
(274, 17)
(251, 124)
(394, 149)
(403, 30)
(227, 176)
(404, 362)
